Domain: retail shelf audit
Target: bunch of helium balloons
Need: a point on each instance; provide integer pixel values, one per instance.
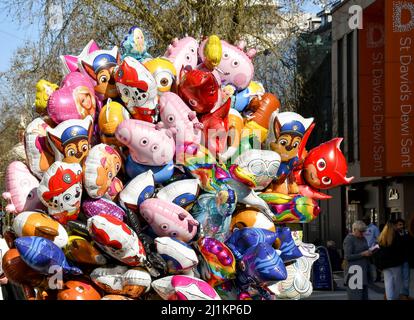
(170, 177)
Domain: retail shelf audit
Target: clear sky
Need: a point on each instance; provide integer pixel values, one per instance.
(13, 35)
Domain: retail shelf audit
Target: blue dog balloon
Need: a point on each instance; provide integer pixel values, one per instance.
(261, 263)
(42, 254)
(243, 239)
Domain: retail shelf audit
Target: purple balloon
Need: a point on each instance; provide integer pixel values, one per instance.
(93, 207)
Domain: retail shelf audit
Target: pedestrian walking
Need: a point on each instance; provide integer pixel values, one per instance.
(405, 269)
(390, 258)
(371, 234)
(357, 253)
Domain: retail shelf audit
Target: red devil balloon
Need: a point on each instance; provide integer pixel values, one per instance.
(199, 90)
(324, 167)
(216, 126)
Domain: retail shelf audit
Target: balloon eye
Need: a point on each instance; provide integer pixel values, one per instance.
(188, 58)
(164, 226)
(170, 119)
(192, 50)
(283, 142)
(103, 79)
(326, 180)
(154, 147)
(144, 141)
(173, 234)
(110, 175)
(192, 102)
(235, 63)
(321, 164)
(225, 55)
(126, 92)
(30, 195)
(85, 148)
(295, 144)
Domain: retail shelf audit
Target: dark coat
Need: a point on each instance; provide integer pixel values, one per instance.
(392, 256)
(409, 250)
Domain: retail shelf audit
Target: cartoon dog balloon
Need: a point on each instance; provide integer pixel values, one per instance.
(101, 167)
(138, 89)
(101, 70)
(61, 189)
(288, 134)
(71, 139)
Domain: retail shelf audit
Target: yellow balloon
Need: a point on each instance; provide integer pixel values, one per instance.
(212, 52)
(163, 71)
(43, 91)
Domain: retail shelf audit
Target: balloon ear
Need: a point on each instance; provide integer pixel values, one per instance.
(90, 132)
(276, 127)
(118, 58)
(338, 142)
(56, 141)
(89, 70)
(305, 140)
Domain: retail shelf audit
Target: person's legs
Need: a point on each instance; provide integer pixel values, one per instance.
(412, 282)
(405, 274)
(398, 281)
(388, 283)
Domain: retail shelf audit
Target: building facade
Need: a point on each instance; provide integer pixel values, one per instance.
(373, 109)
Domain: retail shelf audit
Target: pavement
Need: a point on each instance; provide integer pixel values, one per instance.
(375, 291)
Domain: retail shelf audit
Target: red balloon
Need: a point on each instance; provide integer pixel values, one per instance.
(325, 166)
(199, 90)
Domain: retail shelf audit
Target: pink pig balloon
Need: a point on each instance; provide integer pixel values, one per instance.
(74, 100)
(176, 114)
(21, 189)
(236, 66)
(168, 220)
(148, 144)
(183, 53)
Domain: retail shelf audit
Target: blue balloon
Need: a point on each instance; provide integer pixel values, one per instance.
(288, 247)
(243, 239)
(161, 173)
(241, 100)
(42, 254)
(261, 263)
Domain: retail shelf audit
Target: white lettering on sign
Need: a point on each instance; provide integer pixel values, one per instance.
(397, 24)
(406, 108)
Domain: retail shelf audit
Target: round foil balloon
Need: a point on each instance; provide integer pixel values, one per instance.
(101, 167)
(31, 223)
(18, 272)
(121, 280)
(117, 239)
(21, 189)
(251, 218)
(61, 189)
(78, 290)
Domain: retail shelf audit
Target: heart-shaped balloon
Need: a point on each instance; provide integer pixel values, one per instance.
(74, 100)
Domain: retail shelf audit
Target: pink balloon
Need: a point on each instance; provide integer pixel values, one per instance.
(74, 100)
(21, 189)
